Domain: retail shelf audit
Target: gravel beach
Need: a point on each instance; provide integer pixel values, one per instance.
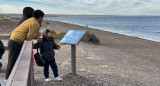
(117, 61)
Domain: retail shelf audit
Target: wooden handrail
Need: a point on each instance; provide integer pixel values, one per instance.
(22, 73)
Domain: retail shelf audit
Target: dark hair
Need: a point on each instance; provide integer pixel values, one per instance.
(47, 31)
(28, 11)
(38, 13)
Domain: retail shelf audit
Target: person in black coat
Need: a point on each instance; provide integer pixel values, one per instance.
(27, 13)
(47, 52)
(2, 50)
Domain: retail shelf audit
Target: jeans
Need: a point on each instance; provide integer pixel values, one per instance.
(53, 66)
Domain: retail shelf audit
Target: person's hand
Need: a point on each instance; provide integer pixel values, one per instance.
(39, 39)
(39, 34)
(58, 47)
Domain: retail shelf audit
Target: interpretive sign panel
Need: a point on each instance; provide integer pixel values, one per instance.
(73, 37)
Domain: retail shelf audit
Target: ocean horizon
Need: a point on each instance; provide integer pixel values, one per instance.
(146, 27)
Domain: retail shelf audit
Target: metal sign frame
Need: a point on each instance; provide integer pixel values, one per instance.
(73, 37)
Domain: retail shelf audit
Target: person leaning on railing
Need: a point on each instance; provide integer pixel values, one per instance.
(28, 30)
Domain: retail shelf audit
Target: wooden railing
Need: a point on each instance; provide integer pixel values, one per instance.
(22, 73)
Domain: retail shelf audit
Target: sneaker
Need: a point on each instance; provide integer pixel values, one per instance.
(34, 70)
(48, 79)
(58, 79)
(4, 83)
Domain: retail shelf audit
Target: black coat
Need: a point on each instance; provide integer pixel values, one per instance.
(22, 20)
(2, 49)
(47, 48)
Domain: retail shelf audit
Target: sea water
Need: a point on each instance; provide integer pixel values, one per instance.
(146, 27)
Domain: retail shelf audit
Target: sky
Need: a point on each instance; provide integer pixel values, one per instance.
(84, 7)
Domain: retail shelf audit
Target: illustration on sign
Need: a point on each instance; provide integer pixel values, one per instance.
(73, 36)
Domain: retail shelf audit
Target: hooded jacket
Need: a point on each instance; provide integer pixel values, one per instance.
(47, 48)
(22, 20)
(27, 13)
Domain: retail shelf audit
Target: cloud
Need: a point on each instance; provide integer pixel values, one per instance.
(78, 6)
(18, 8)
(9, 9)
(105, 7)
(150, 8)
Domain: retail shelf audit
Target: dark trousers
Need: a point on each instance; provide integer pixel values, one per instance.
(1, 53)
(14, 50)
(2, 50)
(53, 66)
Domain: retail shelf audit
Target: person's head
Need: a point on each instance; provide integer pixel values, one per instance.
(38, 14)
(46, 33)
(28, 12)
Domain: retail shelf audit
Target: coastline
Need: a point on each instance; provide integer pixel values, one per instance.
(119, 60)
(126, 25)
(68, 26)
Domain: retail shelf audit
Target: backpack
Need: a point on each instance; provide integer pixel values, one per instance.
(39, 60)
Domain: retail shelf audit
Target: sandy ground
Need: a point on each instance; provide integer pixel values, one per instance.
(118, 61)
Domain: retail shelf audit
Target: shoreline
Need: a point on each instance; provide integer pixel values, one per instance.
(99, 30)
(104, 30)
(119, 60)
(8, 26)
(112, 40)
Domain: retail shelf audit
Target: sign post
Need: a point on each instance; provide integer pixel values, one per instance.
(73, 37)
(73, 59)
